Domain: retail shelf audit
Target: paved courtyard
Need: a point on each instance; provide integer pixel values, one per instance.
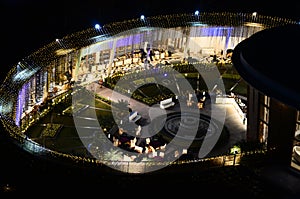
(233, 122)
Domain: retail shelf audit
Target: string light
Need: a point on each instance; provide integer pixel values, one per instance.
(47, 57)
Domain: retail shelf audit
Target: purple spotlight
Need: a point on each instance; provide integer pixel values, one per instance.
(165, 74)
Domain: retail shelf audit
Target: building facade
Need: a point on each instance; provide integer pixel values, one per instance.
(273, 97)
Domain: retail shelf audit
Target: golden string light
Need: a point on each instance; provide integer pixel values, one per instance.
(46, 57)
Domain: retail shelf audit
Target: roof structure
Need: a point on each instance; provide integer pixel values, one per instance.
(268, 60)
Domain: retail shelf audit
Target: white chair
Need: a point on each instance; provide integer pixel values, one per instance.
(134, 116)
(166, 103)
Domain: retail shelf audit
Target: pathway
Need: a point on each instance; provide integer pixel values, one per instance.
(233, 121)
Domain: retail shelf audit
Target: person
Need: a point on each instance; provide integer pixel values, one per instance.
(135, 147)
(120, 138)
(149, 149)
(100, 82)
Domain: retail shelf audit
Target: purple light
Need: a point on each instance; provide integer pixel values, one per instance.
(227, 39)
(126, 41)
(165, 74)
(214, 31)
(21, 102)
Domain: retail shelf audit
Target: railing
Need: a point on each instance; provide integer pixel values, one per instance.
(143, 166)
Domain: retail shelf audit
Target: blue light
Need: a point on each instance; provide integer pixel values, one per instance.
(142, 17)
(97, 26)
(165, 74)
(197, 12)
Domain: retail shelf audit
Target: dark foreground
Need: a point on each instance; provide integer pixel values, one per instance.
(24, 173)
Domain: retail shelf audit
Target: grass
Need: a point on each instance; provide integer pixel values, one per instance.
(67, 136)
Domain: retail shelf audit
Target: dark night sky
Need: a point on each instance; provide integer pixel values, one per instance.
(27, 25)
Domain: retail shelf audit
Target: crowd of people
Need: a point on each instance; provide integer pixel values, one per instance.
(150, 146)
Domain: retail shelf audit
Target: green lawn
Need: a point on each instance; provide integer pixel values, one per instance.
(67, 139)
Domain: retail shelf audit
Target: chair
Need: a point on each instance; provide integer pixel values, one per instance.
(134, 116)
(166, 103)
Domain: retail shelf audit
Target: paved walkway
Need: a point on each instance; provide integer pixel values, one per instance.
(233, 122)
(135, 105)
(281, 177)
